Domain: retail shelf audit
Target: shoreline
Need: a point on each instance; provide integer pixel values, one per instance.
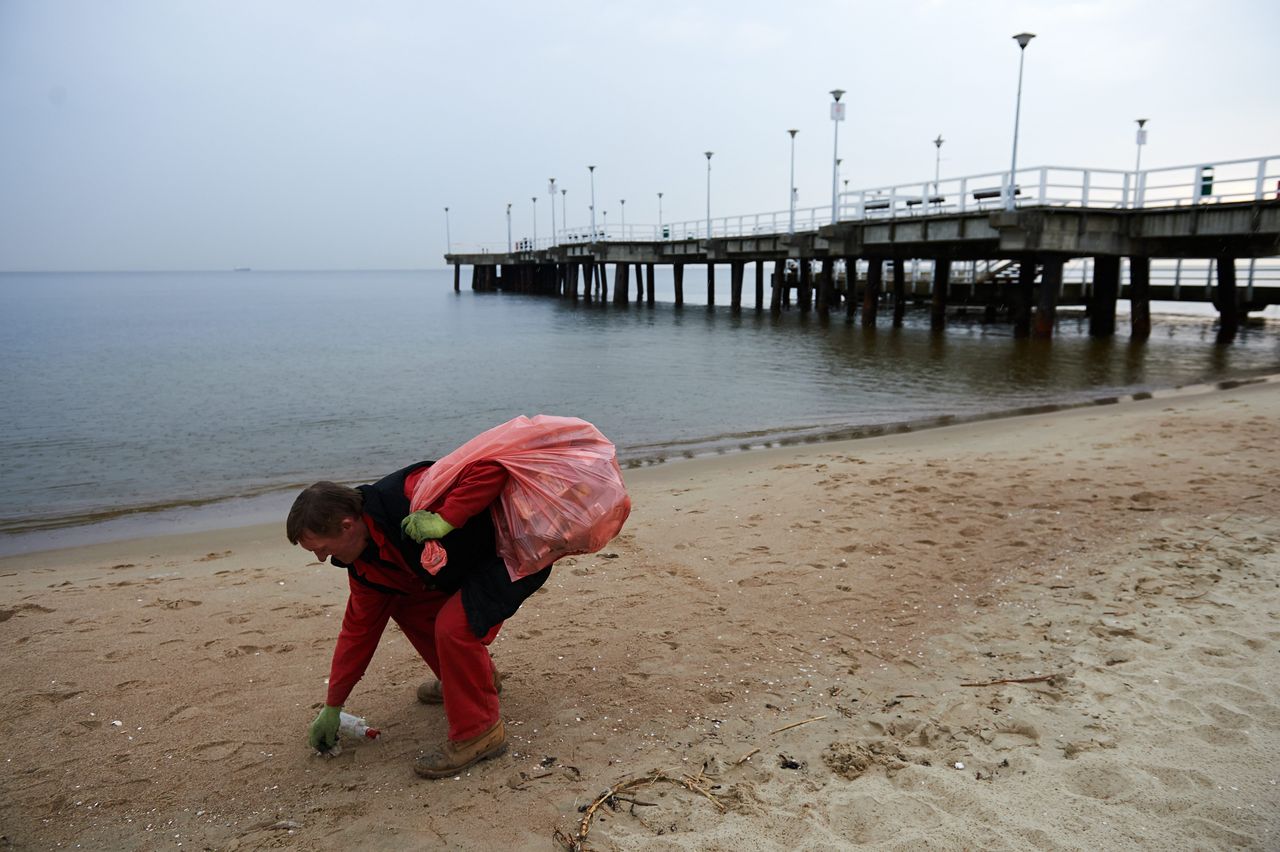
(224, 513)
(1075, 607)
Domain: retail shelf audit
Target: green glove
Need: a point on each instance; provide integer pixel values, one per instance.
(324, 730)
(421, 526)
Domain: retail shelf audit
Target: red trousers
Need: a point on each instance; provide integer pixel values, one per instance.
(436, 625)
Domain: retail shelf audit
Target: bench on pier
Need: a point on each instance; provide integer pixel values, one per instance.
(916, 202)
(994, 192)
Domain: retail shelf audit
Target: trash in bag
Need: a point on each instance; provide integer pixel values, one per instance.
(564, 493)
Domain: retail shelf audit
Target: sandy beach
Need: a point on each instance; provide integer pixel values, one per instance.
(1047, 632)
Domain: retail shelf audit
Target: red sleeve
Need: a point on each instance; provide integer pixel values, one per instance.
(362, 626)
(477, 487)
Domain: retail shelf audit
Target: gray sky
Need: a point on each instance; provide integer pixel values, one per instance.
(311, 135)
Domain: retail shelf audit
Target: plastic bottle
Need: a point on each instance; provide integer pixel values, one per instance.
(354, 726)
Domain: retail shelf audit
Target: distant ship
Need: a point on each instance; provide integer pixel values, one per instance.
(242, 269)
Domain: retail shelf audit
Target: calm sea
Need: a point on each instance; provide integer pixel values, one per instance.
(154, 402)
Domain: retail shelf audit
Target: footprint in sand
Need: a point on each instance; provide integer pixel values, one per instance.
(7, 613)
(209, 557)
(181, 603)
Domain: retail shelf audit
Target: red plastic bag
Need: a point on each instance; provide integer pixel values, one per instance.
(564, 492)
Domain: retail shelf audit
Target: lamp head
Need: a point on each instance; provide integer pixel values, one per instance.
(1141, 122)
(939, 140)
(837, 94)
(591, 168)
(793, 133)
(708, 153)
(1024, 39)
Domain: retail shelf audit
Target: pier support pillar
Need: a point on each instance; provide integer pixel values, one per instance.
(604, 281)
(711, 284)
(805, 296)
(1139, 298)
(871, 298)
(850, 288)
(1047, 304)
(735, 284)
(639, 283)
(778, 281)
(1106, 289)
(826, 285)
(759, 285)
(649, 292)
(1021, 297)
(941, 288)
(677, 272)
(1224, 299)
(571, 282)
(621, 283)
(457, 278)
(899, 292)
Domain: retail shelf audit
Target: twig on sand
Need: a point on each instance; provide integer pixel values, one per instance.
(1039, 679)
(797, 724)
(1194, 597)
(745, 757)
(574, 843)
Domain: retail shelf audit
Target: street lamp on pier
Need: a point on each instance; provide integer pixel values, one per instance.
(937, 162)
(1023, 40)
(448, 238)
(551, 188)
(837, 116)
(660, 235)
(564, 216)
(508, 227)
(1137, 166)
(535, 223)
(623, 202)
(592, 169)
(791, 193)
(708, 156)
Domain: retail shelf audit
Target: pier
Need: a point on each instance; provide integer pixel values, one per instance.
(1203, 233)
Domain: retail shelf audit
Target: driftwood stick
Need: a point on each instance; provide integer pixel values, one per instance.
(745, 757)
(1040, 679)
(574, 843)
(796, 725)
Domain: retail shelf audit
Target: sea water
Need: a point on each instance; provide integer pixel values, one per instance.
(164, 401)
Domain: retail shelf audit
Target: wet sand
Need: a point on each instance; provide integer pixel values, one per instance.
(1055, 632)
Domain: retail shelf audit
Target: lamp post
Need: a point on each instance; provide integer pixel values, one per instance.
(791, 193)
(1137, 166)
(508, 227)
(592, 169)
(708, 156)
(448, 239)
(837, 116)
(1023, 40)
(623, 202)
(535, 223)
(604, 223)
(660, 236)
(564, 216)
(937, 162)
(551, 188)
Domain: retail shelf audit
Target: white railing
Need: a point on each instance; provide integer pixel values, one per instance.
(1255, 179)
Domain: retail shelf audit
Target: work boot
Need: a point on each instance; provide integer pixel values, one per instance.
(432, 692)
(456, 755)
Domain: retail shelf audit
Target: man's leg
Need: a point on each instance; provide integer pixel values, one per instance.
(417, 618)
(466, 672)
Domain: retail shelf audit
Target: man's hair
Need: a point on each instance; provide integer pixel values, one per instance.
(320, 508)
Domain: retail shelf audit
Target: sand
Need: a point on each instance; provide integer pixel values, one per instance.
(1118, 563)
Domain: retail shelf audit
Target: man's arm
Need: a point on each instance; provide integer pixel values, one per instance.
(477, 487)
(366, 617)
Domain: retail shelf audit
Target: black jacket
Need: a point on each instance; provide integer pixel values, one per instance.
(488, 594)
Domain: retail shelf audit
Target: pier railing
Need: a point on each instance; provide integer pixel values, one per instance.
(1255, 179)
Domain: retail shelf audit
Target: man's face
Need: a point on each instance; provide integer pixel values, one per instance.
(346, 544)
